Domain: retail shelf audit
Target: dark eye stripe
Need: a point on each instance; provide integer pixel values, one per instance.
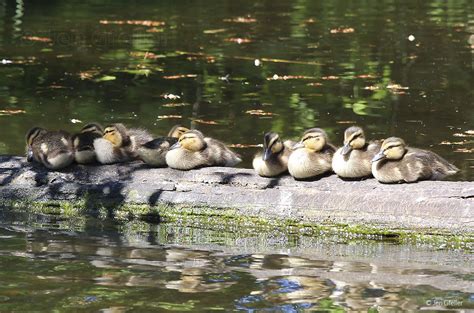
(310, 137)
(394, 146)
(355, 137)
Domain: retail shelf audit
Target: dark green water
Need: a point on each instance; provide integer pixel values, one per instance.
(401, 68)
(55, 265)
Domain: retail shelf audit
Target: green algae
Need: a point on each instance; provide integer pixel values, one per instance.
(231, 220)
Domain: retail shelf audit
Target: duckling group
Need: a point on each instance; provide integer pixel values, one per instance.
(389, 160)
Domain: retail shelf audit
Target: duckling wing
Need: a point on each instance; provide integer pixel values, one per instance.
(427, 165)
(160, 143)
(140, 136)
(217, 153)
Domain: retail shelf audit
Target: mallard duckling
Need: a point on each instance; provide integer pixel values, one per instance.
(312, 156)
(274, 159)
(119, 144)
(193, 150)
(53, 149)
(354, 159)
(154, 152)
(83, 142)
(398, 163)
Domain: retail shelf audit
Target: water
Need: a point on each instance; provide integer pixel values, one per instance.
(53, 264)
(399, 68)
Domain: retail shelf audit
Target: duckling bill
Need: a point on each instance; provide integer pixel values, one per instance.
(398, 163)
(274, 159)
(193, 150)
(53, 149)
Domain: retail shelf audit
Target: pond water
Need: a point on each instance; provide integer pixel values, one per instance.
(52, 264)
(236, 69)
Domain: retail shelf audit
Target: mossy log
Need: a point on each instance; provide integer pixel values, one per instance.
(428, 205)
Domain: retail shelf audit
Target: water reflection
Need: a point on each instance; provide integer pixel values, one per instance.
(114, 267)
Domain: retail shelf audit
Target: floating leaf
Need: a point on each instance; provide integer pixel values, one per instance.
(259, 112)
(180, 76)
(36, 38)
(205, 122)
(173, 105)
(5, 61)
(146, 55)
(11, 112)
(452, 142)
(214, 31)
(340, 30)
(330, 77)
(314, 84)
(89, 74)
(139, 71)
(238, 40)
(155, 30)
(469, 132)
(464, 150)
(243, 145)
(169, 116)
(75, 121)
(345, 122)
(366, 76)
(170, 96)
(241, 19)
(287, 77)
(134, 22)
(396, 87)
(105, 78)
(372, 88)
(62, 56)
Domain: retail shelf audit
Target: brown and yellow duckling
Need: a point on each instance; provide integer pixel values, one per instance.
(154, 152)
(274, 159)
(119, 144)
(193, 150)
(53, 149)
(398, 163)
(83, 142)
(354, 159)
(312, 156)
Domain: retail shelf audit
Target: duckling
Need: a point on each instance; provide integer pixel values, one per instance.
(312, 156)
(84, 143)
(154, 152)
(398, 163)
(53, 149)
(274, 160)
(353, 160)
(193, 150)
(119, 144)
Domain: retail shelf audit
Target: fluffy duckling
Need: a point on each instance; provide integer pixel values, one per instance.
(274, 159)
(397, 163)
(312, 156)
(53, 149)
(354, 159)
(83, 142)
(193, 150)
(119, 144)
(154, 152)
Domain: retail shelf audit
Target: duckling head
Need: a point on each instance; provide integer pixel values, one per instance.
(313, 139)
(354, 138)
(177, 131)
(192, 140)
(272, 145)
(392, 148)
(93, 128)
(117, 135)
(33, 133)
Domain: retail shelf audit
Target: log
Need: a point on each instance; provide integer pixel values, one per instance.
(428, 205)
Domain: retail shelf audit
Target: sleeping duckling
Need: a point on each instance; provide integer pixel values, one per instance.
(312, 156)
(154, 152)
(53, 149)
(193, 150)
(353, 160)
(83, 142)
(397, 163)
(119, 144)
(274, 160)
